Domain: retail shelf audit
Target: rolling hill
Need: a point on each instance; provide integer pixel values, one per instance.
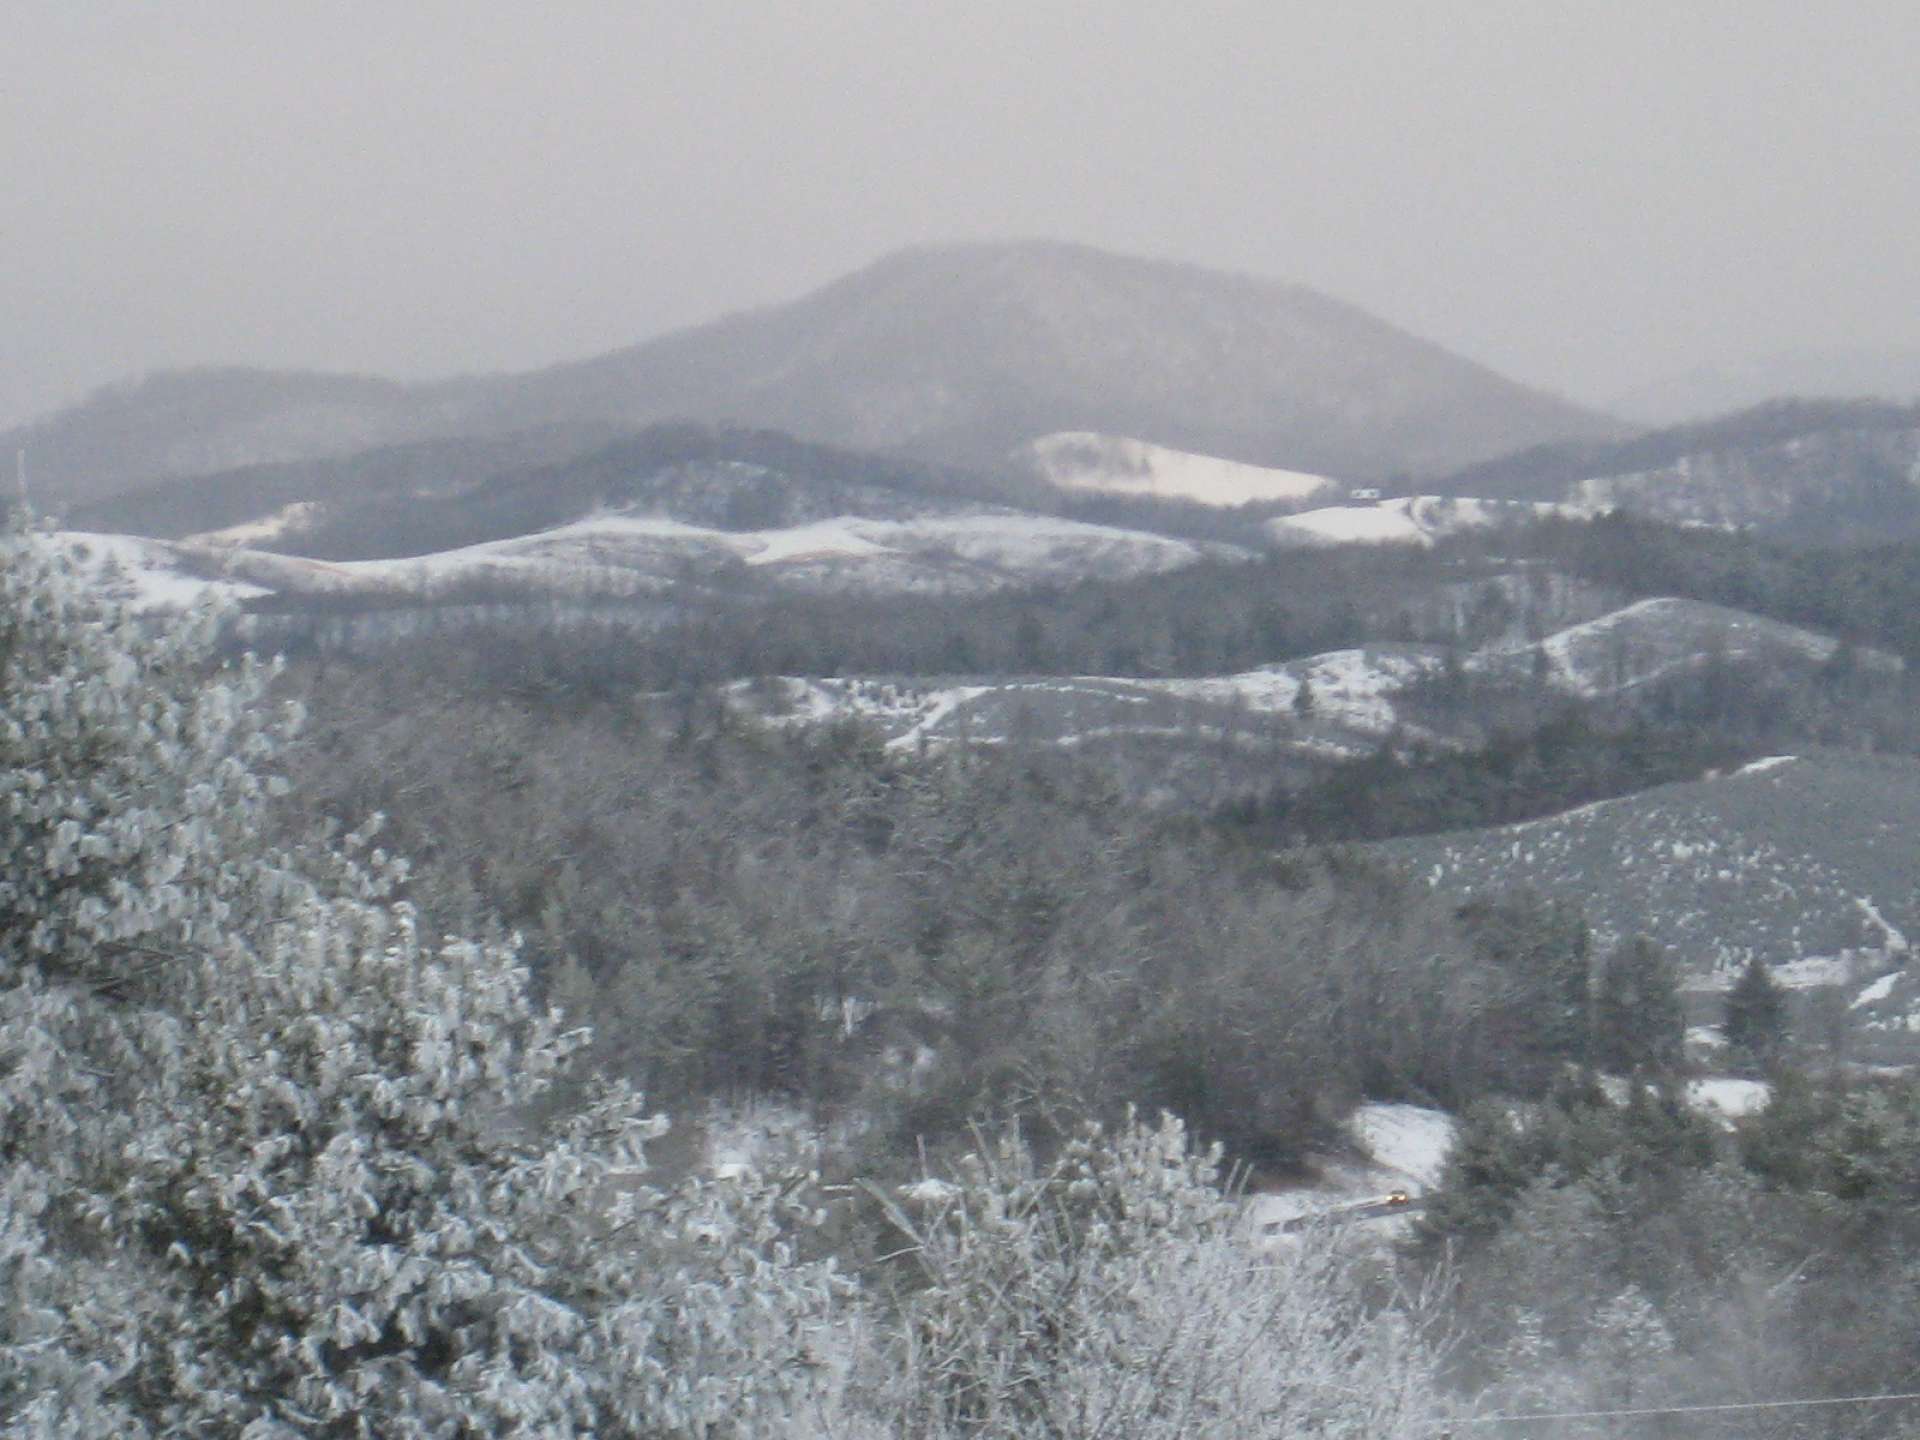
(1804, 862)
(1820, 471)
(1207, 740)
(679, 510)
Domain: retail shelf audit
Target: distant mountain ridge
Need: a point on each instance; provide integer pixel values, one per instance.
(957, 353)
(1812, 470)
(1855, 372)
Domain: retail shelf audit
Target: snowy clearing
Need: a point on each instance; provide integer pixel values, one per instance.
(1407, 1147)
(269, 527)
(1410, 1139)
(1729, 1096)
(1082, 460)
(1408, 520)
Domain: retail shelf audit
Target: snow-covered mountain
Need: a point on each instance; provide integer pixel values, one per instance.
(957, 353)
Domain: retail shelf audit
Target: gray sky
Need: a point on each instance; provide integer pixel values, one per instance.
(1584, 195)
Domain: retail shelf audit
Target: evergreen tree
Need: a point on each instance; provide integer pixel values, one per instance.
(1756, 1014)
(1638, 1020)
(1490, 1165)
(264, 1170)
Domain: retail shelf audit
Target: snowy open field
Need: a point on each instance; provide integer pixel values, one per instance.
(1082, 460)
(1406, 520)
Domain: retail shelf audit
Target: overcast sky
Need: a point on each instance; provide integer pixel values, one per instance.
(1584, 195)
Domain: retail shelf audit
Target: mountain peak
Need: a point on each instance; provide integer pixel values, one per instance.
(960, 353)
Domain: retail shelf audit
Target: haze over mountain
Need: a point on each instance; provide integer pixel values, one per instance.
(1828, 374)
(957, 353)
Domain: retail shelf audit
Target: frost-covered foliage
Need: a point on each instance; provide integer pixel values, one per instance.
(1114, 1292)
(264, 1167)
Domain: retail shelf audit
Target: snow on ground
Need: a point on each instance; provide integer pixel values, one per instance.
(1761, 766)
(1384, 524)
(1406, 1147)
(1350, 687)
(1896, 940)
(1352, 691)
(1409, 1139)
(1407, 520)
(144, 575)
(625, 553)
(827, 538)
(1082, 460)
(1567, 649)
(1803, 974)
(1729, 1096)
(902, 710)
(1039, 544)
(943, 703)
(268, 527)
(1877, 991)
(1661, 636)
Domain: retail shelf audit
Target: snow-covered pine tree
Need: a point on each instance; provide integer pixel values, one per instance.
(263, 1166)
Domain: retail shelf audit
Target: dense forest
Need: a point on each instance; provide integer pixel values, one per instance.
(314, 1127)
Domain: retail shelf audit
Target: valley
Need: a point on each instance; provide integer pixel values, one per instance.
(1479, 822)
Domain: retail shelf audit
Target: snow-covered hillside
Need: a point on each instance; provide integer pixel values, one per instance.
(1407, 520)
(1352, 694)
(148, 575)
(1349, 704)
(1806, 863)
(633, 554)
(1655, 639)
(1775, 486)
(1082, 460)
(1827, 471)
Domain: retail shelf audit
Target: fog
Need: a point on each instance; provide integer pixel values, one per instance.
(1587, 197)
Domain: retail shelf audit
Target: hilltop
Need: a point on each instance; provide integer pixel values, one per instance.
(956, 353)
(1825, 471)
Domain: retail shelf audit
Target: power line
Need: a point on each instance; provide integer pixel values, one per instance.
(1724, 1408)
